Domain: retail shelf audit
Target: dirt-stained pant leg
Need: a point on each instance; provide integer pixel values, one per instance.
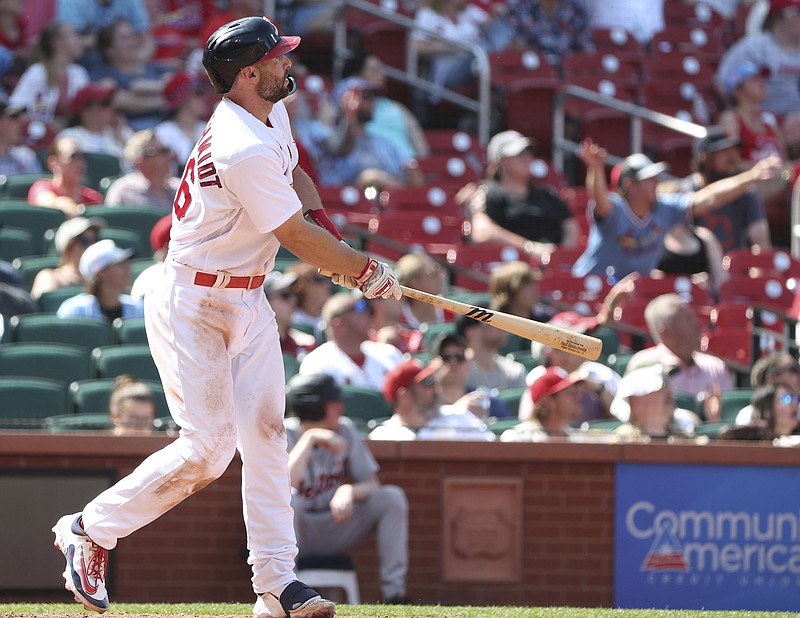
(257, 365)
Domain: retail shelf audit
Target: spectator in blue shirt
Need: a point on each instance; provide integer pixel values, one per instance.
(107, 271)
(89, 16)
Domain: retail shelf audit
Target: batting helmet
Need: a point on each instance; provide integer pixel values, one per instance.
(242, 43)
(306, 395)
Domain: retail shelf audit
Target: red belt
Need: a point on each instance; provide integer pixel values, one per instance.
(211, 280)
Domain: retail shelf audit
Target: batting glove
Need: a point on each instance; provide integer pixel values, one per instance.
(377, 280)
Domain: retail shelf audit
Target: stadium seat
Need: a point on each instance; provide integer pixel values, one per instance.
(753, 262)
(512, 65)
(36, 219)
(429, 197)
(619, 42)
(448, 169)
(45, 360)
(49, 302)
(291, 366)
(130, 330)
(451, 141)
(15, 242)
(510, 398)
(363, 404)
(706, 43)
(731, 402)
(98, 166)
(17, 186)
(561, 259)
(78, 422)
(734, 346)
(387, 41)
(129, 239)
(134, 359)
(92, 396)
(526, 94)
(584, 294)
(431, 331)
(28, 401)
(769, 292)
(29, 266)
(346, 198)
(412, 229)
(139, 219)
(647, 288)
(47, 328)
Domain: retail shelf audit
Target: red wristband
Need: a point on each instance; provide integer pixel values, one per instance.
(369, 270)
(320, 218)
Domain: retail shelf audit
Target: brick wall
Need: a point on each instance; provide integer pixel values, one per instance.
(194, 552)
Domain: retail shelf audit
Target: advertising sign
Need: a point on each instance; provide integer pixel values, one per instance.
(707, 537)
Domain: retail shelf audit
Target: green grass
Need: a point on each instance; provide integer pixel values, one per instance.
(416, 611)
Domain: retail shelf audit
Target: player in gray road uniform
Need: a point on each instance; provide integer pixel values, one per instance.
(336, 495)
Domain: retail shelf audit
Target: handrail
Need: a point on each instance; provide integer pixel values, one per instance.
(637, 113)
(410, 75)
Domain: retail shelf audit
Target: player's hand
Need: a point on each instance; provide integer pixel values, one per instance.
(378, 280)
(342, 503)
(344, 280)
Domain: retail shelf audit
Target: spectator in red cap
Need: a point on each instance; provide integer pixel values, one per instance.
(64, 190)
(556, 406)
(95, 123)
(187, 114)
(151, 182)
(410, 389)
(159, 241)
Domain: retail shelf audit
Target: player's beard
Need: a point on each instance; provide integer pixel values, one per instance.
(271, 88)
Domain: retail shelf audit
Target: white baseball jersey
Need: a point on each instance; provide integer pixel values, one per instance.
(228, 204)
(329, 358)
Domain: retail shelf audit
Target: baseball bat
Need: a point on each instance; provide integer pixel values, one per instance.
(579, 344)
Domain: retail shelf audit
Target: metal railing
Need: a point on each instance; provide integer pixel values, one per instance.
(410, 75)
(637, 115)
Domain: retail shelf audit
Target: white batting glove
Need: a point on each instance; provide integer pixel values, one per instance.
(378, 280)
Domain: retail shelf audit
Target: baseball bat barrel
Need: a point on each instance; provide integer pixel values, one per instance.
(579, 344)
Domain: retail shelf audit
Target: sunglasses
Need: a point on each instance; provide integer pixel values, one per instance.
(458, 357)
(788, 399)
(429, 381)
(85, 241)
(152, 151)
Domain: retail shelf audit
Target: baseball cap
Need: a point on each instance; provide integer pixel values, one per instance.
(179, 88)
(340, 303)
(715, 140)
(637, 167)
(643, 381)
(507, 144)
(403, 375)
(72, 228)
(776, 6)
(352, 83)
(574, 321)
(90, 94)
(160, 234)
(552, 381)
(741, 73)
(101, 255)
(277, 281)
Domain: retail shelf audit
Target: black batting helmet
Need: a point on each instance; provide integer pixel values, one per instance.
(239, 44)
(306, 395)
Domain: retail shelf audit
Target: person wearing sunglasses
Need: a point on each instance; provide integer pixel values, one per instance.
(774, 368)
(71, 240)
(278, 290)
(64, 190)
(95, 123)
(150, 182)
(348, 355)
(775, 406)
(417, 414)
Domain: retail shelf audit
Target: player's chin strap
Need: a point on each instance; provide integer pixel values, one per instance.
(292, 84)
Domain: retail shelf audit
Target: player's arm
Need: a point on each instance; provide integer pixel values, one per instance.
(305, 189)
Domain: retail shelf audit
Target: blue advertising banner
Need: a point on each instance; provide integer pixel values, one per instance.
(707, 537)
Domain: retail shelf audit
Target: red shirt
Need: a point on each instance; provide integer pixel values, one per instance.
(87, 196)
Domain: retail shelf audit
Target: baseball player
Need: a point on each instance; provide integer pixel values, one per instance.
(337, 498)
(212, 332)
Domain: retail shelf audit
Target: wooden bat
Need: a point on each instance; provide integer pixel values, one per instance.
(554, 336)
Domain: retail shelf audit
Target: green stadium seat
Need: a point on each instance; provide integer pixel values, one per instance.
(92, 397)
(46, 327)
(129, 239)
(54, 361)
(731, 402)
(140, 219)
(431, 330)
(710, 429)
(49, 302)
(98, 166)
(363, 404)
(134, 359)
(510, 397)
(139, 265)
(525, 357)
(501, 425)
(30, 265)
(17, 186)
(105, 184)
(515, 344)
(36, 219)
(619, 362)
(15, 242)
(130, 330)
(290, 365)
(28, 401)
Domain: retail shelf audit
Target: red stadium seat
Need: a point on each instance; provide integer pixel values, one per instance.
(407, 230)
(387, 41)
(529, 108)
(449, 169)
(768, 292)
(512, 65)
(648, 288)
(734, 346)
(620, 43)
(584, 294)
(758, 263)
(419, 199)
(560, 260)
